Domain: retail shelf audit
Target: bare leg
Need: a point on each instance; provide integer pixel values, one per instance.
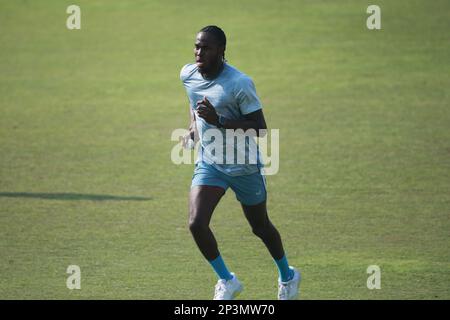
(263, 228)
(202, 202)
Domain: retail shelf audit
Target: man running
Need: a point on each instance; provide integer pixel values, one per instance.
(223, 98)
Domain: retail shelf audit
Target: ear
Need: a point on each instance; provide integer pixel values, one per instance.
(222, 51)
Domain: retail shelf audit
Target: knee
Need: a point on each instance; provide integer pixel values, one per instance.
(260, 231)
(195, 224)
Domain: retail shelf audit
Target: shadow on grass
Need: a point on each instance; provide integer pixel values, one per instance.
(71, 196)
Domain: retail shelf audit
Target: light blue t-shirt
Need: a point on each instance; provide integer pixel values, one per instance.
(233, 95)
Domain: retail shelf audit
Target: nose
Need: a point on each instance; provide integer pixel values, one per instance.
(199, 52)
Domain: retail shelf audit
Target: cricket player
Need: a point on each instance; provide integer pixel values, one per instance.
(223, 98)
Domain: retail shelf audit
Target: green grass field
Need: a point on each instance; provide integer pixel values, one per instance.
(85, 170)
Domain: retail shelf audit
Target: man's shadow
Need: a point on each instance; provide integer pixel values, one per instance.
(71, 196)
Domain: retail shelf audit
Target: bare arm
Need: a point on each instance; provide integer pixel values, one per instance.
(254, 120)
(193, 134)
(192, 121)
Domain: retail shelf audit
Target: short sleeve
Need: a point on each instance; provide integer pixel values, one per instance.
(246, 96)
(183, 73)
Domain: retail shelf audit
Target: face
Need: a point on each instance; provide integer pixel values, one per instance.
(208, 53)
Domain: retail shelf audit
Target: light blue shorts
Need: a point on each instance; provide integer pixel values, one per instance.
(249, 189)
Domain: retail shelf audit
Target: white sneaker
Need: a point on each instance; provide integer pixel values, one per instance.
(289, 290)
(227, 289)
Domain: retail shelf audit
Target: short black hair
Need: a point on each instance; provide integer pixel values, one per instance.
(217, 33)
